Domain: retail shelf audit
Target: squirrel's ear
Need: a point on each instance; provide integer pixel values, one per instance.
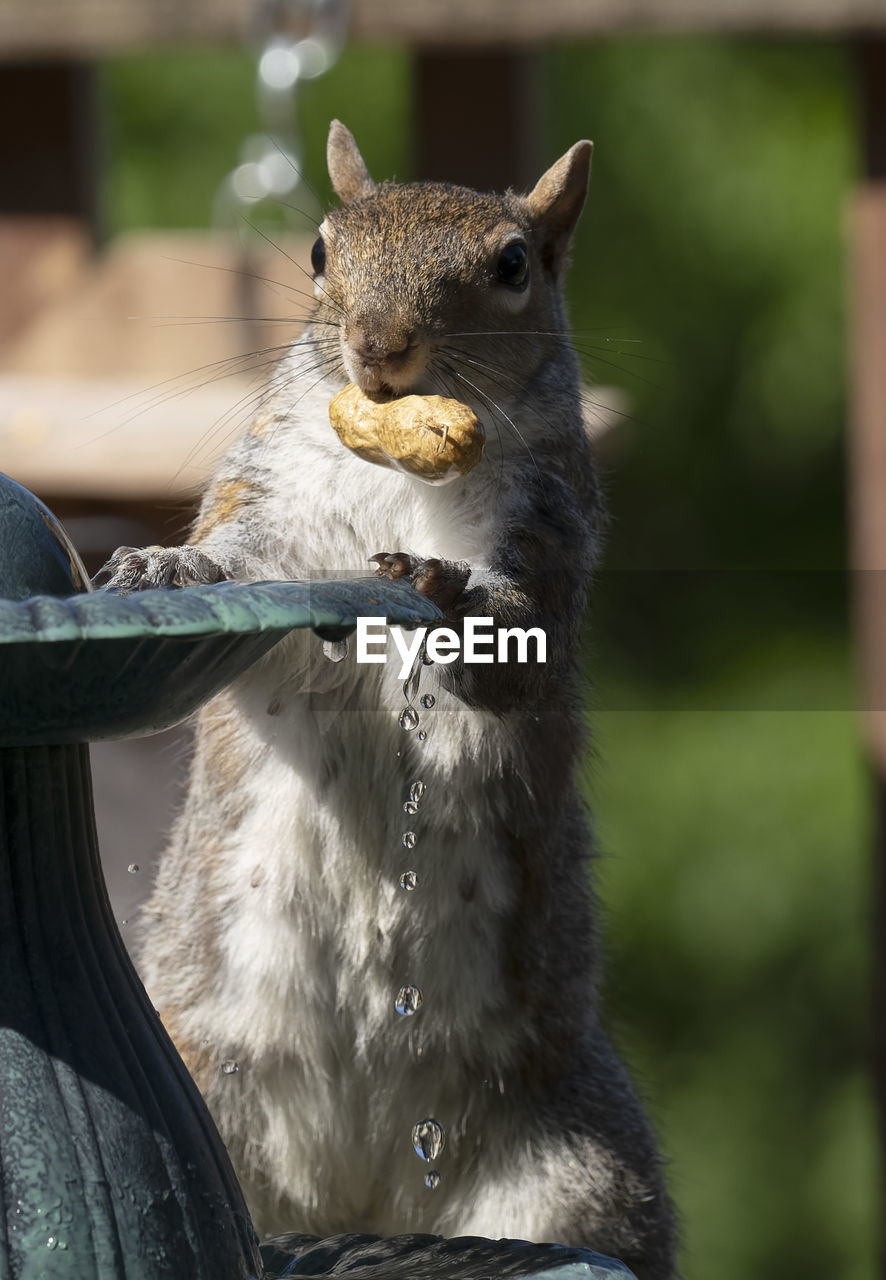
(557, 199)
(347, 170)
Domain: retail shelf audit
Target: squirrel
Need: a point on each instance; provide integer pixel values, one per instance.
(278, 933)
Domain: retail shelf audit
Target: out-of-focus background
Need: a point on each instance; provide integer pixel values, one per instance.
(736, 193)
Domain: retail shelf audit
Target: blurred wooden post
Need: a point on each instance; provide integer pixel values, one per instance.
(49, 140)
(476, 113)
(49, 207)
(868, 504)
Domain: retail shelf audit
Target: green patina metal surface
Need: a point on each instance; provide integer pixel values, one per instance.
(81, 666)
(227, 608)
(98, 666)
(111, 1166)
(426, 1257)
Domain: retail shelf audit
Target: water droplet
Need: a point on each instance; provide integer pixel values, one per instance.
(432, 1179)
(124, 922)
(409, 839)
(132, 868)
(421, 735)
(427, 701)
(412, 681)
(408, 881)
(408, 1001)
(416, 791)
(408, 718)
(410, 807)
(335, 650)
(230, 1066)
(52, 1243)
(428, 1138)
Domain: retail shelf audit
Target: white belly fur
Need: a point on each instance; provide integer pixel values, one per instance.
(313, 933)
(317, 936)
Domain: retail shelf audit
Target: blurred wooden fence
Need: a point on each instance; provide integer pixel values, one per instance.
(88, 27)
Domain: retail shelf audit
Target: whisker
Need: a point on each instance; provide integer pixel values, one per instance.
(336, 306)
(326, 367)
(240, 271)
(497, 407)
(590, 350)
(163, 322)
(184, 392)
(503, 375)
(301, 177)
(307, 274)
(602, 410)
(231, 366)
(501, 459)
(268, 240)
(603, 407)
(632, 372)
(549, 333)
(252, 401)
(177, 385)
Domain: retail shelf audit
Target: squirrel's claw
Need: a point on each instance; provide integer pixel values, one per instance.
(442, 581)
(143, 568)
(395, 564)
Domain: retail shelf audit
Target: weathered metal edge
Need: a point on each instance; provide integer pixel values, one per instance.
(225, 608)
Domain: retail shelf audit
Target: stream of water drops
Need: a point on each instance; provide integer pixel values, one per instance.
(428, 1136)
(428, 1139)
(408, 1001)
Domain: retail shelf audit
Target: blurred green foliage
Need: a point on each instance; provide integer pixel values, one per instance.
(708, 285)
(733, 876)
(175, 124)
(713, 242)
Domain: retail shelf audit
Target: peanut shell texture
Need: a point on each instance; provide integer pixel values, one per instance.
(434, 438)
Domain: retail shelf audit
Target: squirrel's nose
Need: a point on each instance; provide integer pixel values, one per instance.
(374, 347)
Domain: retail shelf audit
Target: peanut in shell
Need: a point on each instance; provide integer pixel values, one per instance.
(432, 437)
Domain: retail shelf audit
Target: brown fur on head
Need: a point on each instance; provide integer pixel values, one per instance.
(408, 270)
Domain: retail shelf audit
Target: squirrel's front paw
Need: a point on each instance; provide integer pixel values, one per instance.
(442, 581)
(141, 568)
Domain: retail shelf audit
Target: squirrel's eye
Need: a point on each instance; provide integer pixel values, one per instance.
(318, 256)
(513, 264)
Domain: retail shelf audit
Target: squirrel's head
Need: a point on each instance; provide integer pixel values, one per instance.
(421, 277)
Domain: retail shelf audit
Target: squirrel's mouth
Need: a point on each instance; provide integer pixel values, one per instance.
(394, 373)
(395, 390)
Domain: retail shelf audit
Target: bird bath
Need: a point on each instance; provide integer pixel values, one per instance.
(110, 1165)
